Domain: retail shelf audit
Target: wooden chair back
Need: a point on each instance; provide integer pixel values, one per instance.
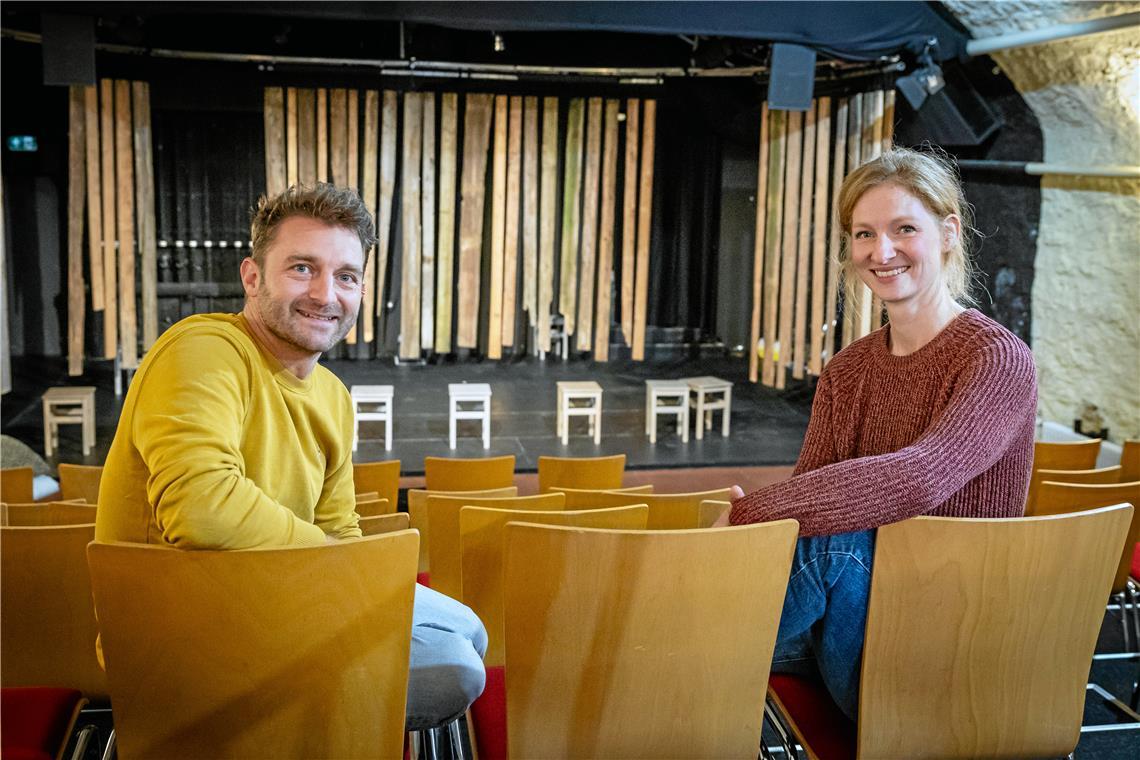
(980, 634)
(373, 507)
(1055, 455)
(481, 547)
(374, 526)
(382, 478)
(80, 481)
(443, 525)
(1063, 498)
(580, 472)
(710, 511)
(667, 511)
(47, 513)
(367, 496)
(417, 512)
(584, 497)
(49, 629)
(1130, 461)
(478, 474)
(284, 652)
(16, 484)
(641, 643)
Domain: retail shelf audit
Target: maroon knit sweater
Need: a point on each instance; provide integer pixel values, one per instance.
(946, 430)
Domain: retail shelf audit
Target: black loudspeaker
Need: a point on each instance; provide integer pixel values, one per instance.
(792, 80)
(68, 48)
(955, 115)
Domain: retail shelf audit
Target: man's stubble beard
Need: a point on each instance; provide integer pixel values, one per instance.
(278, 316)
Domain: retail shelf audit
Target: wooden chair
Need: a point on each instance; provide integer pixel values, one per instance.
(479, 474)
(615, 647)
(374, 507)
(1130, 461)
(710, 511)
(417, 512)
(1069, 455)
(481, 547)
(382, 478)
(980, 634)
(80, 481)
(443, 525)
(224, 654)
(667, 511)
(1100, 475)
(47, 513)
(16, 484)
(584, 497)
(374, 526)
(368, 496)
(49, 671)
(580, 472)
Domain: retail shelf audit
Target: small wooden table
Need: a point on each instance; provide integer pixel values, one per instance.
(69, 405)
(711, 393)
(668, 397)
(372, 403)
(469, 401)
(579, 399)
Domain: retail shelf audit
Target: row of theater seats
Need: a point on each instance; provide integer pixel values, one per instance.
(618, 625)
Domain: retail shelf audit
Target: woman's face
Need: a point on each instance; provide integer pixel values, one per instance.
(897, 245)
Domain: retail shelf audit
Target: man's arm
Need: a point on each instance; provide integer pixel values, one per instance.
(336, 507)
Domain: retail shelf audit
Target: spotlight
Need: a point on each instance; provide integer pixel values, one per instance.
(498, 42)
(924, 81)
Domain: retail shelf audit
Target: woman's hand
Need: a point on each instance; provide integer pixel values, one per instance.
(734, 493)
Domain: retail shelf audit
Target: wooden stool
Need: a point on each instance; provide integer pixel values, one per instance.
(470, 401)
(372, 403)
(588, 392)
(668, 397)
(721, 393)
(69, 405)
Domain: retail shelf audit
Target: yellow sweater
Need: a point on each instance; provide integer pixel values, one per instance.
(220, 447)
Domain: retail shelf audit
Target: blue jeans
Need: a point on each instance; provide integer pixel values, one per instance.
(825, 611)
(446, 673)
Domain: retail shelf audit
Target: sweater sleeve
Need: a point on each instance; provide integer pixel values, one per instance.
(188, 429)
(335, 512)
(819, 442)
(990, 398)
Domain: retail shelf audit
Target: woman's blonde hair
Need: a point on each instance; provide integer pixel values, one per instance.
(934, 181)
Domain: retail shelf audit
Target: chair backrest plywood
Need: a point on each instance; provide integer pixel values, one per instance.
(417, 512)
(580, 472)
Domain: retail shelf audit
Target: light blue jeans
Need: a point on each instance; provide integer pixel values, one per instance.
(825, 611)
(446, 673)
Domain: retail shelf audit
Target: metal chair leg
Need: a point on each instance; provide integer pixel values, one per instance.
(773, 718)
(432, 743)
(109, 751)
(455, 734)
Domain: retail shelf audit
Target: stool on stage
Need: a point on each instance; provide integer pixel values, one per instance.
(69, 405)
(712, 393)
(579, 399)
(372, 403)
(470, 401)
(668, 397)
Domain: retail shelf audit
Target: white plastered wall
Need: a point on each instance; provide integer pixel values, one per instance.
(1085, 93)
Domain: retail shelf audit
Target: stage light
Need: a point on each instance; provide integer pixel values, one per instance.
(499, 45)
(924, 81)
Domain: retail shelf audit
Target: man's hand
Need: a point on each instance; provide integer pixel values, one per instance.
(330, 538)
(734, 493)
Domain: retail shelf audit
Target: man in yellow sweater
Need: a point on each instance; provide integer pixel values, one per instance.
(232, 436)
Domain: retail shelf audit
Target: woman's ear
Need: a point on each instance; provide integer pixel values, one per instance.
(951, 231)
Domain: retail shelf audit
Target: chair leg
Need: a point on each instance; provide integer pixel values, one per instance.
(455, 734)
(773, 719)
(82, 739)
(109, 751)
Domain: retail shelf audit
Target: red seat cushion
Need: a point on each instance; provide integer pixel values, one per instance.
(34, 720)
(424, 579)
(823, 725)
(1136, 562)
(489, 714)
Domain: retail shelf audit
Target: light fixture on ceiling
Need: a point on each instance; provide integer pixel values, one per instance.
(924, 81)
(498, 43)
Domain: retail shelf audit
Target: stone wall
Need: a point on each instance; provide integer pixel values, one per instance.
(1085, 93)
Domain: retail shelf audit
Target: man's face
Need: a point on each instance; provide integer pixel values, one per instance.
(307, 292)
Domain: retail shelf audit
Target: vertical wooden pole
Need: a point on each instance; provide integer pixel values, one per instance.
(110, 257)
(590, 191)
(875, 317)
(427, 223)
(338, 136)
(476, 138)
(352, 160)
(76, 191)
(852, 306)
(511, 234)
(530, 208)
(368, 189)
(629, 217)
(790, 241)
(799, 330)
(125, 222)
(548, 219)
(835, 233)
(498, 230)
(388, 119)
(410, 226)
(606, 234)
(888, 120)
(144, 194)
(94, 206)
(306, 136)
(291, 155)
(758, 246)
(322, 135)
(571, 216)
(276, 177)
(644, 220)
(772, 244)
(445, 256)
(819, 237)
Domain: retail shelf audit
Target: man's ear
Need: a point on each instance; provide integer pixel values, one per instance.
(250, 276)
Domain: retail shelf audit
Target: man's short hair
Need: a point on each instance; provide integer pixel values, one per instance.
(335, 206)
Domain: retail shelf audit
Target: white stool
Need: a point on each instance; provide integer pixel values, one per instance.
(589, 394)
(69, 405)
(668, 397)
(372, 403)
(470, 401)
(720, 392)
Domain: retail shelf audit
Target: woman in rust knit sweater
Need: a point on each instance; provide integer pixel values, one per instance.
(930, 415)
